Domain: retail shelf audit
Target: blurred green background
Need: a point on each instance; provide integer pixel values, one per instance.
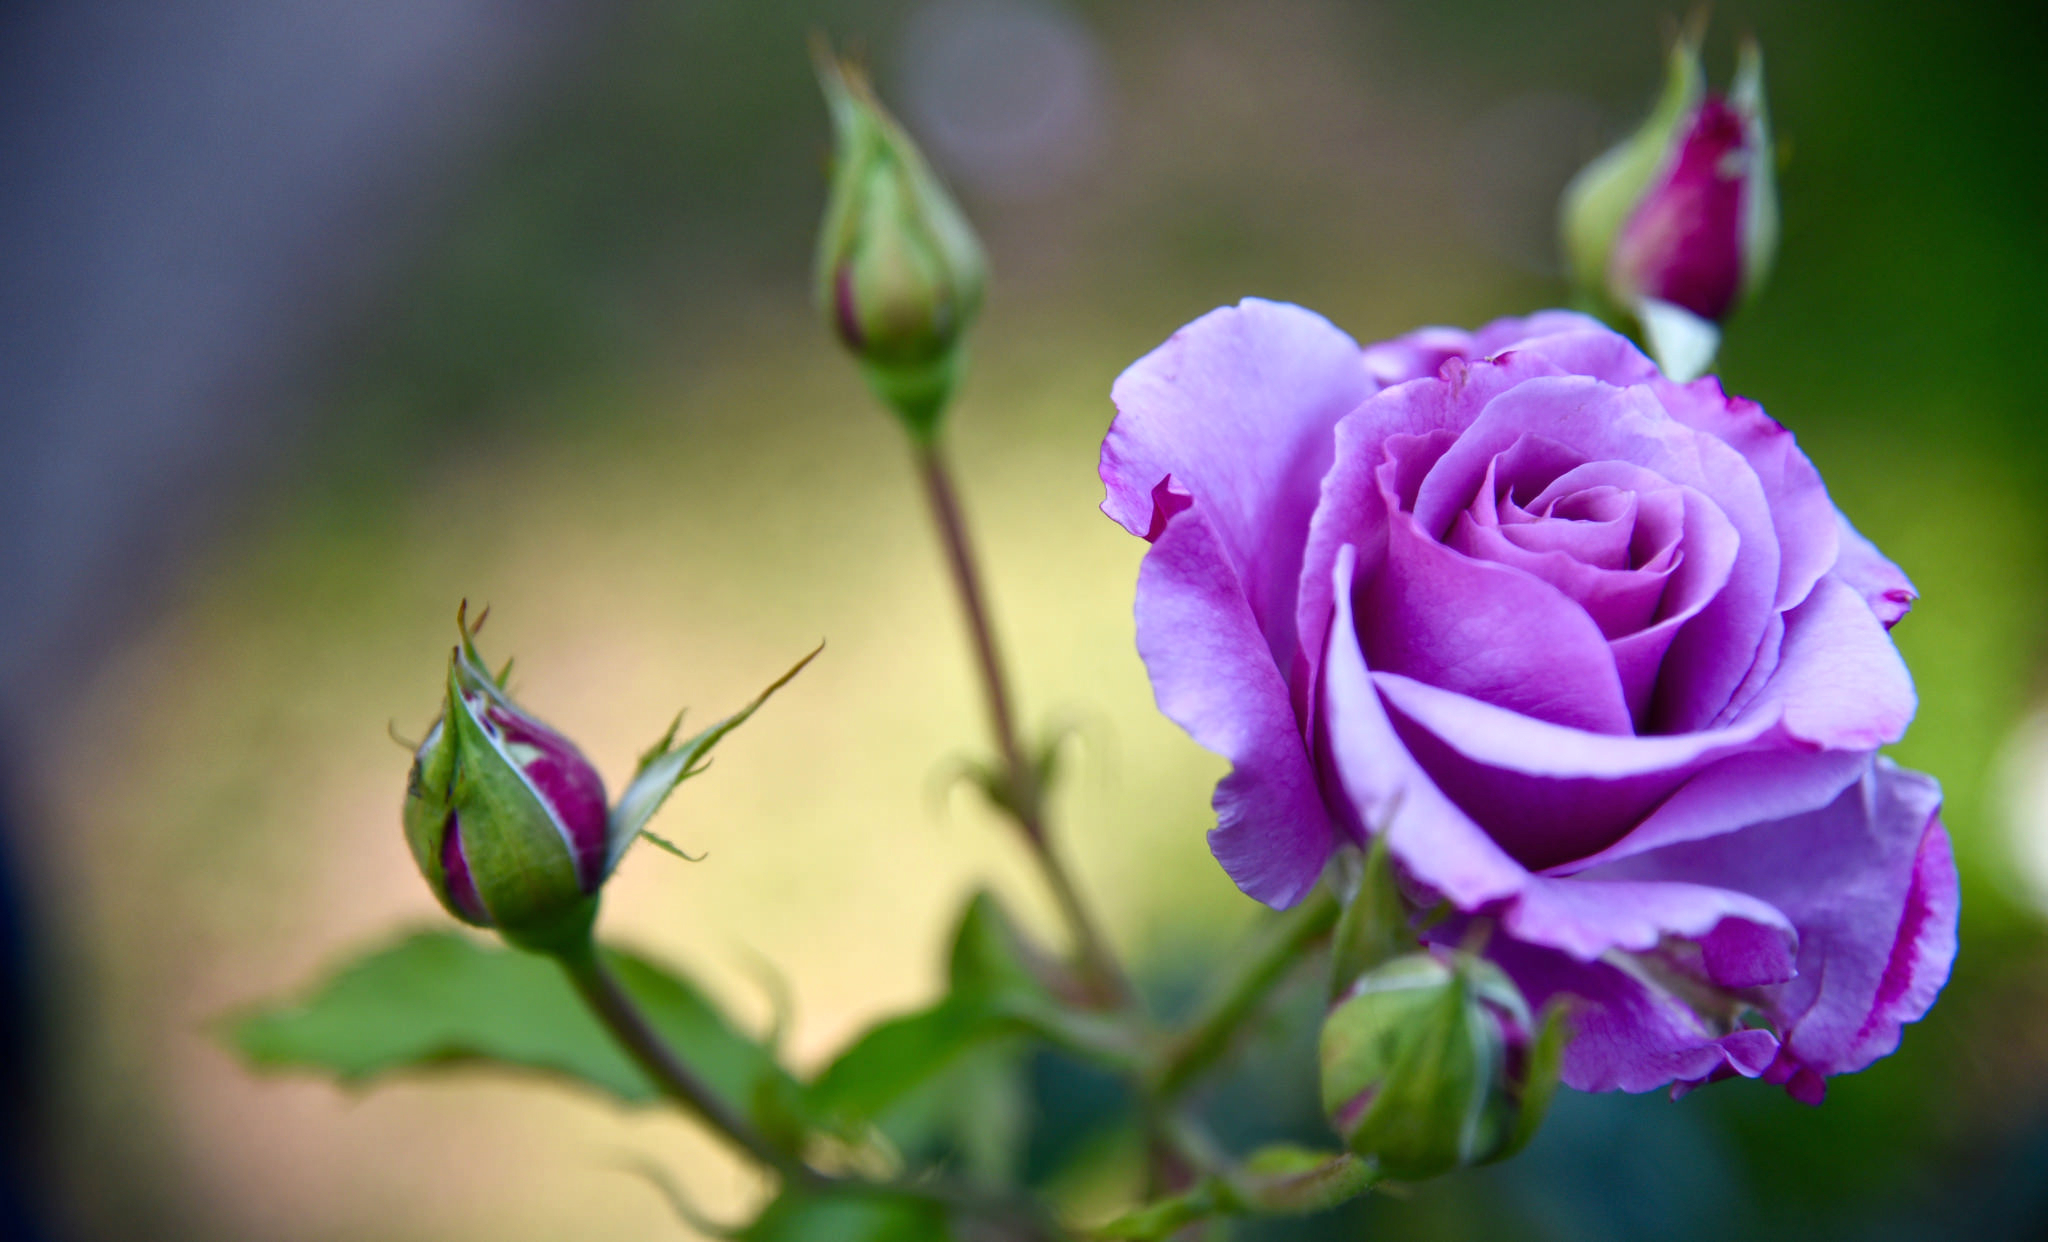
(587, 386)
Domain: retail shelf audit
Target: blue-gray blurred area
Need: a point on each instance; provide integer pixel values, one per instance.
(320, 315)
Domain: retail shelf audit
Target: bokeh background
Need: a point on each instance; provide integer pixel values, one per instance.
(322, 317)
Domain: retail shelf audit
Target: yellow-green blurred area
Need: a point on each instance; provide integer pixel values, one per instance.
(585, 384)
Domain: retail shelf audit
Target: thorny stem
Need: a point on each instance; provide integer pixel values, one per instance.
(1026, 802)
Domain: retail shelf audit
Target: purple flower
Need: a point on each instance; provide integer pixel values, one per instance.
(1593, 648)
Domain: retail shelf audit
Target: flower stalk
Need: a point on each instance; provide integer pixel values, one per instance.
(621, 1015)
(1281, 946)
(1026, 797)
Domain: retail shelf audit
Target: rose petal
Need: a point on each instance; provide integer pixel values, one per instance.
(1840, 682)
(1352, 511)
(1238, 408)
(1570, 342)
(1549, 794)
(1711, 547)
(1486, 630)
(1739, 791)
(1799, 504)
(1587, 561)
(1709, 657)
(1213, 675)
(1626, 1034)
(1587, 918)
(1502, 738)
(1883, 585)
(1871, 885)
(1436, 843)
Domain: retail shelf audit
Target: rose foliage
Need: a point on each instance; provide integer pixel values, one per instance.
(1594, 649)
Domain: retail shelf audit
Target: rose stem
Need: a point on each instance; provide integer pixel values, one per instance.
(600, 989)
(1027, 806)
(621, 1015)
(1279, 947)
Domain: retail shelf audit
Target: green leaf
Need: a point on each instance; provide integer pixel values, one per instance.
(893, 1057)
(985, 974)
(438, 999)
(1163, 1217)
(903, 1074)
(802, 1217)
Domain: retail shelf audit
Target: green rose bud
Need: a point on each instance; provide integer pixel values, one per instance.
(900, 274)
(1678, 225)
(505, 817)
(507, 820)
(1429, 1066)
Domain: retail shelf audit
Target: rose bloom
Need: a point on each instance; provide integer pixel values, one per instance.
(1594, 649)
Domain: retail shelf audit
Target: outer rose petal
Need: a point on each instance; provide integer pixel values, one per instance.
(1883, 585)
(1587, 918)
(1800, 507)
(1840, 683)
(1870, 883)
(1238, 408)
(1626, 1034)
(1618, 361)
(1549, 793)
(1436, 843)
(1213, 676)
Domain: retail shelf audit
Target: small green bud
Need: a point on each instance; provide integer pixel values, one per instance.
(900, 274)
(1427, 1066)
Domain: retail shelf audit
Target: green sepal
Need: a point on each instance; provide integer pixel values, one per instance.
(1683, 343)
(666, 765)
(1162, 1218)
(439, 1000)
(1279, 1180)
(1374, 926)
(1760, 224)
(917, 391)
(518, 855)
(1539, 1084)
(1287, 1180)
(1416, 1046)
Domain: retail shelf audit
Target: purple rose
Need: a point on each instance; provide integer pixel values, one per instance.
(1593, 648)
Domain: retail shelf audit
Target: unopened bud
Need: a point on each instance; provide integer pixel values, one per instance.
(900, 274)
(1429, 1066)
(505, 817)
(1678, 225)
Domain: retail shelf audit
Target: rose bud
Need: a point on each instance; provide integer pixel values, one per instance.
(1428, 1066)
(899, 273)
(1679, 223)
(505, 817)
